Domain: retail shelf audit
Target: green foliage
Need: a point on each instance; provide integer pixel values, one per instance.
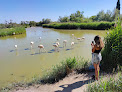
(71, 62)
(112, 53)
(58, 72)
(94, 25)
(46, 21)
(111, 84)
(12, 31)
(63, 19)
(32, 23)
(75, 17)
(93, 18)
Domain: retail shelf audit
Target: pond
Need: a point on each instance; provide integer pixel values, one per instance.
(23, 62)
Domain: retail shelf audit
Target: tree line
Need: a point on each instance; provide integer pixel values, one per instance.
(77, 17)
(11, 24)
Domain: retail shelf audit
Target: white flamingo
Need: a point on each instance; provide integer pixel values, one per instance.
(15, 46)
(73, 36)
(39, 37)
(41, 47)
(31, 43)
(13, 33)
(72, 44)
(16, 49)
(64, 43)
(56, 45)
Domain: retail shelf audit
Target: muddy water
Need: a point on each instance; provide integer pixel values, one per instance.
(23, 62)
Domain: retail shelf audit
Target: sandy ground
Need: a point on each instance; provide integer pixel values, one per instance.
(72, 83)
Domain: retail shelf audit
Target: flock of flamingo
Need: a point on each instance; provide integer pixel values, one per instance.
(55, 45)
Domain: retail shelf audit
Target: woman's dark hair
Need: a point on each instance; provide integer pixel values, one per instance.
(97, 40)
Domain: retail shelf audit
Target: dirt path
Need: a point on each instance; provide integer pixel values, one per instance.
(71, 83)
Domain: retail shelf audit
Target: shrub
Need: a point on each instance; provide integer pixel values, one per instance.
(112, 53)
(94, 25)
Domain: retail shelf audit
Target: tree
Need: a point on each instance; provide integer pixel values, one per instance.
(115, 14)
(46, 21)
(108, 16)
(93, 18)
(118, 6)
(63, 19)
(72, 17)
(32, 23)
(79, 14)
(77, 17)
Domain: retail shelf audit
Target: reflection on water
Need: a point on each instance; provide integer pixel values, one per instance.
(23, 63)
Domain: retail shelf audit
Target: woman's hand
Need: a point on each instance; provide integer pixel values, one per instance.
(92, 44)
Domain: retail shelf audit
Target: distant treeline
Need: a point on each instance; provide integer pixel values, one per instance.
(94, 25)
(73, 21)
(101, 16)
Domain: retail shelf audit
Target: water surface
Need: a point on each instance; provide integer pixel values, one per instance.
(23, 63)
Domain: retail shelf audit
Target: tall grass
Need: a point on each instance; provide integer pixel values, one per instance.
(112, 53)
(94, 25)
(108, 84)
(12, 31)
(59, 71)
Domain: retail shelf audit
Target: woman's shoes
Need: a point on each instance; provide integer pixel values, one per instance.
(93, 77)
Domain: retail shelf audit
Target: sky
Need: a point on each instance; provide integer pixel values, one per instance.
(36, 10)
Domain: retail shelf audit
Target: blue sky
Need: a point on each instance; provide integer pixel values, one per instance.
(36, 10)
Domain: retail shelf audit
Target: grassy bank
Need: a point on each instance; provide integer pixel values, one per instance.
(54, 74)
(111, 83)
(94, 25)
(12, 31)
(58, 72)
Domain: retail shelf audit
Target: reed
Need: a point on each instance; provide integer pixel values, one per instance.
(12, 31)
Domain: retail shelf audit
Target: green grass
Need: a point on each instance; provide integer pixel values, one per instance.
(93, 25)
(59, 71)
(107, 84)
(11, 31)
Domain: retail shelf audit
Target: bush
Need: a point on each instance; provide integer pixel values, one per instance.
(94, 25)
(112, 53)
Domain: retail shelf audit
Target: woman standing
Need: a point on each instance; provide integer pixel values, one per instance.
(96, 55)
